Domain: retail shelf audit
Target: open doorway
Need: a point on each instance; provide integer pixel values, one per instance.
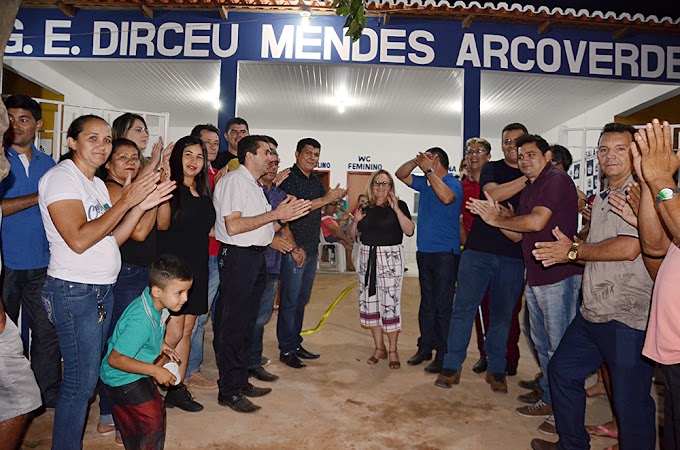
(356, 185)
(325, 177)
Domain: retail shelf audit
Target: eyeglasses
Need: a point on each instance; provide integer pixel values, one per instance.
(479, 151)
(140, 130)
(383, 184)
(509, 141)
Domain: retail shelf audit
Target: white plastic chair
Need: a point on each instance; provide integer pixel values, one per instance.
(340, 257)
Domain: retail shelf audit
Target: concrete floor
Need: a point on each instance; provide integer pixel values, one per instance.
(339, 401)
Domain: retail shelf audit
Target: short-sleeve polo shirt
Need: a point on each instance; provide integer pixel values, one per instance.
(24, 244)
(438, 224)
(138, 335)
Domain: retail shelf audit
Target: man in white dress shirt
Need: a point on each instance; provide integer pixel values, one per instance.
(245, 226)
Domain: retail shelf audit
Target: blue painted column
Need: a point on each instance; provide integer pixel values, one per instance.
(228, 82)
(472, 97)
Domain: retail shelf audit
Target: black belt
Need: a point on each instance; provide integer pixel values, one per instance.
(371, 278)
(255, 248)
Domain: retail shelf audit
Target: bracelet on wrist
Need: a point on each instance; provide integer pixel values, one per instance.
(281, 224)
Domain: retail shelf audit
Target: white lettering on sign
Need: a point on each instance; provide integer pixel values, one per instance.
(316, 43)
(331, 41)
(143, 38)
(363, 166)
(191, 39)
(105, 38)
(52, 36)
(302, 40)
(162, 30)
(15, 44)
(597, 58)
(210, 40)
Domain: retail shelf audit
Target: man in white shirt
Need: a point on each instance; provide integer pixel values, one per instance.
(245, 226)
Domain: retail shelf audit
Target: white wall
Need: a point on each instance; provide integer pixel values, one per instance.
(175, 133)
(390, 150)
(603, 114)
(40, 73)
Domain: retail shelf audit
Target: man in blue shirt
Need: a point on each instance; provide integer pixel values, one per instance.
(25, 251)
(438, 239)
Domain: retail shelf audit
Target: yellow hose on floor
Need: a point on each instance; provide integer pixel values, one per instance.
(328, 311)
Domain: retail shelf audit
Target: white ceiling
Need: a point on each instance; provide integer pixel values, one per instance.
(384, 99)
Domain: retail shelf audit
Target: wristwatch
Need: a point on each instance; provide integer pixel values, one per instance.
(666, 194)
(572, 254)
(429, 171)
(281, 224)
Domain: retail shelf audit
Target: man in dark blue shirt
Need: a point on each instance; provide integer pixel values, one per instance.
(296, 282)
(25, 249)
(438, 239)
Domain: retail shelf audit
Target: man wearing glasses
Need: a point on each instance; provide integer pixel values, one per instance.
(438, 239)
(490, 262)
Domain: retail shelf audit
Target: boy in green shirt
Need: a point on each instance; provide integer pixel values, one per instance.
(136, 355)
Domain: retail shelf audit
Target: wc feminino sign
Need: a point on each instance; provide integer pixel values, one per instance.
(47, 33)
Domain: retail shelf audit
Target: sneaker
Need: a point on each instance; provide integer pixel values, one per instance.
(497, 382)
(180, 397)
(538, 409)
(200, 381)
(264, 361)
(548, 426)
(447, 378)
(531, 397)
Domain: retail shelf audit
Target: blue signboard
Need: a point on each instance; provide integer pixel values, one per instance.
(48, 33)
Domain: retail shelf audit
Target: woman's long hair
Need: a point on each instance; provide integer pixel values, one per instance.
(177, 173)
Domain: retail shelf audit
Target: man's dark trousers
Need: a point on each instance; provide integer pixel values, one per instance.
(243, 275)
(585, 346)
(23, 288)
(437, 274)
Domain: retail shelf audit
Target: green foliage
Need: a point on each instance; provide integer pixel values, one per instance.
(355, 11)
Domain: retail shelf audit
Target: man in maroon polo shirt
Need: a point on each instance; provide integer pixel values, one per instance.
(552, 293)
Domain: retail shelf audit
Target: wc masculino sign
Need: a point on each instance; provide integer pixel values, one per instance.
(46, 33)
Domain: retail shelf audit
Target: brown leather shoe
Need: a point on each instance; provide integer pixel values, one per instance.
(447, 378)
(497, 382)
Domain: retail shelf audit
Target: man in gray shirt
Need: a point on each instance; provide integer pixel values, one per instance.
(610, 326)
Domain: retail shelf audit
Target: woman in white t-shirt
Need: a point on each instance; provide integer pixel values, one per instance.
(84, 231)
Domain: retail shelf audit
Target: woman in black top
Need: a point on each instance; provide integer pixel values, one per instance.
(382, 224)
(185, 234)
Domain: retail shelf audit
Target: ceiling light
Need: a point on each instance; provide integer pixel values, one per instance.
(341, 109)
(306, 15)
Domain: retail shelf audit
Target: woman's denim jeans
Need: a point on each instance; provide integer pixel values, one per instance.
(72, 307)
